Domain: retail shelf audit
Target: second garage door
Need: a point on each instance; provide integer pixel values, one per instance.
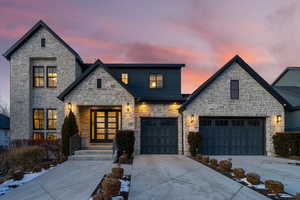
(159, 135)
(232, 136)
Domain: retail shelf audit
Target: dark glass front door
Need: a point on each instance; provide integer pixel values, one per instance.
(104, 126)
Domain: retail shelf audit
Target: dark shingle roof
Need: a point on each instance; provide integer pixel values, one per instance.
(291, 94)
(289, 77)
(4, 122)
(144, 65)
(247, 68)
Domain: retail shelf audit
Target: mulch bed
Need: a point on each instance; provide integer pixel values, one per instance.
(265, 192)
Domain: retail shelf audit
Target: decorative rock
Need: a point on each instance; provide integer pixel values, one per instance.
(274, 186)
(239, 172)
(205, 159)
(213, 162)
(253, 178)
(225, 165)
(117, 172)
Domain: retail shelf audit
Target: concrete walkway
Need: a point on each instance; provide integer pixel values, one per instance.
(180, 178)
(270, 168)
(72, 180)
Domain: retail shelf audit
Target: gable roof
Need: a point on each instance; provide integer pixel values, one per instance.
(285, 73)
(4, 122)
(144, 65)
(247, 68)
(85, 74)
(291, 94)
(30, 33)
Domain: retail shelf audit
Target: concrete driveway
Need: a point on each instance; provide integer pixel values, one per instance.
(178, 178)
(270, 168)
(72, 180)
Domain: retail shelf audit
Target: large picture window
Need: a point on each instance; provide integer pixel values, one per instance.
(156, 81)
(51, 119)
(38, 119)
(38, 76)
(234, 89)
(51, 77)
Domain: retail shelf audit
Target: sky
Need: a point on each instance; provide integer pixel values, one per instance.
(203, 34)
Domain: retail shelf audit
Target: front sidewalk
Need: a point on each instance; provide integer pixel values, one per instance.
(72, 180)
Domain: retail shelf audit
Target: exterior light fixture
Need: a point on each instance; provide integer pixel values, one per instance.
(192, 118)
(127, 107)
(278, 118)
(70, 106)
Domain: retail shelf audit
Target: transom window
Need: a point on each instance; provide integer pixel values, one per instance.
(156, 81)
(38, 119)
(38, 136)
(51, 118)
(51, 77)
(124, 78)
(234, 89)
(38, 76)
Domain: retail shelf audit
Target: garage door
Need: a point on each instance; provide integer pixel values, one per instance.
(159, 136)
(232, 136)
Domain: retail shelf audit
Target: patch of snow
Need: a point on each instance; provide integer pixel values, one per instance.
(260, 186)
(117, 198)
(285, 195)
(124, 186)
(5, 187)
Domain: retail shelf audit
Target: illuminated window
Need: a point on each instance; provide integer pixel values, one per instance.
(156, 81)
(38, 119)
(51, 136)
(38, 136)
(124, 78)
(38, 76)
(51, 77)
(51, 119)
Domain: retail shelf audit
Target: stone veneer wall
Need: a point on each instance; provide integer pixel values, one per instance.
(254, 101)
(23, 97)
(156, 110)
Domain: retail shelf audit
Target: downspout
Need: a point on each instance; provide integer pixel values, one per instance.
(182, 133)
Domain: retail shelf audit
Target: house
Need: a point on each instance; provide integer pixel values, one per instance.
(4, 130)
(236, 110)
(288, 86)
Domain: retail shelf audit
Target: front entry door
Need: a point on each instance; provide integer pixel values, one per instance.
(104, 125)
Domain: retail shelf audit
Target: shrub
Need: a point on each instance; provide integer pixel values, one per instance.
(225, 165)
(199, 157)
(213, 162)
(125, 142)
(253, 178)
(239, 172)
(26, 156)
(287, 144)
(117, 172)
(297, 196)
(205, 159)
(69, 129)
(194, 140)
(18, 175)
(274, 186)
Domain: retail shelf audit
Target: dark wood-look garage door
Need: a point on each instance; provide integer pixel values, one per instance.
(232, 136)
(159, 136)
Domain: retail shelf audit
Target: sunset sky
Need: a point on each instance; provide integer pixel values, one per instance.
(202, 34)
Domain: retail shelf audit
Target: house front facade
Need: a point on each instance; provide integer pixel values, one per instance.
(236, 110)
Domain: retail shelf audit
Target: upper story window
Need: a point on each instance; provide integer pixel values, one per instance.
(234, 89)
(38, 76)
(51, 77)
(124, 78)
(38, 119)
(43, 42)
(99, 83)
(156, 81)
(51, 119)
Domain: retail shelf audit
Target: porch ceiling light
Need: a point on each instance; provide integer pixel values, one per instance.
(278, 118)
(70, 106)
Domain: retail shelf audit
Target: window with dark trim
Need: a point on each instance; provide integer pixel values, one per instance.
(99, 83)
(51, 77)
(38, 119)
(51, 136)
(51, 119)
(124, 78)
(156, 81)
(43, 42)
(38, 76)
(38, 136)
(234, 89)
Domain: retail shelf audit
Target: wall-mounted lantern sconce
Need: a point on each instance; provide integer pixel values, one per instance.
(278, 118)
(192, 118)
(128, 107)
(70, 106)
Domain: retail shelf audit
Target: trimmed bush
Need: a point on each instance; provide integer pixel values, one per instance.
(125, 140)
(205, 159)
(194, 140)
(225, 165)
(253, 178)
(213, 162)
(239, 172)
(274, 186)
(287, 144)
(69, 129)
(111, 187)
(199, 157)
(117, 172)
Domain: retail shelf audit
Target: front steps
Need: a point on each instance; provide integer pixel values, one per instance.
(94, 152)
